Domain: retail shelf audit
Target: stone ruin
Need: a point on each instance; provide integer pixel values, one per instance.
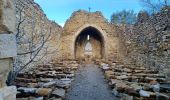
(104, 39)
(108, 42)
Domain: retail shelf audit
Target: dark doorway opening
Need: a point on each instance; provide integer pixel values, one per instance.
(89, 43)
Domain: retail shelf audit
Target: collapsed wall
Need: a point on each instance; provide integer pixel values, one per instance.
(21, 21)
(150, 41)
(34, 26)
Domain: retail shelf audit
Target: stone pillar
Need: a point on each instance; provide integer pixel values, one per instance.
(7, 38)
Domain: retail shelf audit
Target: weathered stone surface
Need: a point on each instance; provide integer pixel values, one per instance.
(138, 82)
(44, 80)
(7, 16)
(35, 22)
(7, 46)
(5, 67)
(127, 97)
(92, 22)
(122, 77)
(136, 86)
(27, 90)
(148, 45)
(7, 40)
(8, 93)
(59, 92)
(109, 74)
(44, 91)
(144, 93)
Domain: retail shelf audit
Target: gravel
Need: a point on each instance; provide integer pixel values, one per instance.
(89, 84)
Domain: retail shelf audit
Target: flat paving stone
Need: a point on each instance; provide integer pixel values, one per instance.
(89, 84)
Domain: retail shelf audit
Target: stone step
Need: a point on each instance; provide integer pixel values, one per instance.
(129, 79)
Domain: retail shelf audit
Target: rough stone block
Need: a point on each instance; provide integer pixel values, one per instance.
(7, 46)
(5, 66)
(44, 91)
(59, 92)
(7, 16)
(8, 93)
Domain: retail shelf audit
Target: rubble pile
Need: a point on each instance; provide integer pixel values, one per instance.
(46, 82)
(131, 82)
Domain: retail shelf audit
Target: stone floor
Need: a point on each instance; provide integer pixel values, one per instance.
(89, 84)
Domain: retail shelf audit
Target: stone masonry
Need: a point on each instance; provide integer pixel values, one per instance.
(7, 39)
(36, 22)
(81, 20)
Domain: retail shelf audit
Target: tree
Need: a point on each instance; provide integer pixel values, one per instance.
(124, 17)
(154, 6)
(31, 45)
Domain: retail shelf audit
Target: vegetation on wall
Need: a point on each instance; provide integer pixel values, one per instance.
(124, 17)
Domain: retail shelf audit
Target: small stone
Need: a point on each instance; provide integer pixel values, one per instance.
(109, 75)
(64, 83)
(144, 93)
(146, 86)
(153, 82)
(59, 92)
(127, 70)
(126, 97)
(156, 87)
(44, 91)
(122, 77)
(131, 92)
(105, 66)
(136, 86)
(27, 90)
(115, 92)
(32, 85)
(49, 84)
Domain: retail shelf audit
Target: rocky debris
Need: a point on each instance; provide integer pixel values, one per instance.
(132, 82)
(46, 82)
(149, 43)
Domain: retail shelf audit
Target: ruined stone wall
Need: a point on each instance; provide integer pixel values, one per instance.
(150, 43)
(7, 39)
(36, 22)
(27, 18)
(80, 20)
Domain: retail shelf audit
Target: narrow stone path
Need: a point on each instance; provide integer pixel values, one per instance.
(89, 84)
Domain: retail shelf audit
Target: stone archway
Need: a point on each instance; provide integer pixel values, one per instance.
(106, 36)
(96, 40)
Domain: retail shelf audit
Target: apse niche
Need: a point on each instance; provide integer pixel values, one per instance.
(89, 43)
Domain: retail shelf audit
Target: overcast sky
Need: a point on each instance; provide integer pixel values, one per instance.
(61, 10)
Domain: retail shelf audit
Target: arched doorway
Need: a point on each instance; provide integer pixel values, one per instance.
(89, 43)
